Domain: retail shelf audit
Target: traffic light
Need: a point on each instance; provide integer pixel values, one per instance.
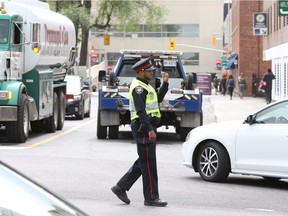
(214, 40)
(172, 45)
(106, 39)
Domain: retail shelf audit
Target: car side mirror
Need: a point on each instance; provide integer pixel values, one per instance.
(249, 120)
(102, 75)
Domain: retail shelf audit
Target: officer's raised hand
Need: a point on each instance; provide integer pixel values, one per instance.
(165, 76)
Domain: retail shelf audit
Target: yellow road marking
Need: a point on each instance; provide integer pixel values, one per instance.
(60, 134)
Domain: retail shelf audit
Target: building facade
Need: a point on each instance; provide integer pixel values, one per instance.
(190, 23)
(275, 46)
(246, 45)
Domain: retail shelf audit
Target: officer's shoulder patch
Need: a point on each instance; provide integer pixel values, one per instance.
(139, 90)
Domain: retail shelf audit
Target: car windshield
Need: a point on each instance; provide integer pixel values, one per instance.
(21, 196)
(4, 27)
(277, 114)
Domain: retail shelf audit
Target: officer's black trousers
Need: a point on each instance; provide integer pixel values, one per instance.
(145, 165)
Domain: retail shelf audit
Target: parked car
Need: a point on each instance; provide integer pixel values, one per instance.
(22, 196)
(258, 146)
(78, 97)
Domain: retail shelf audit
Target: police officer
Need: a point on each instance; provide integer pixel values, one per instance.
(145, 114)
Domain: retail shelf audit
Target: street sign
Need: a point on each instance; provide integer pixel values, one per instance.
(283, 8)
(223, 61)
(260, 24)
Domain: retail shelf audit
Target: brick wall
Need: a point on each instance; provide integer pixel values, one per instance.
(248, 46)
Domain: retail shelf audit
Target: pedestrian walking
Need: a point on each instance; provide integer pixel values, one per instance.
(145, 115)
(242, 85)
(268, 77)
(230, 85)
(216, 83)
(223, 84)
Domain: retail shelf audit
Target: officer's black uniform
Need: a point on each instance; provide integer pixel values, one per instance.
(145, 165)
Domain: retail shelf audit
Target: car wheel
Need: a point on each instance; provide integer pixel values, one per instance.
(82, 110)
(213, 162)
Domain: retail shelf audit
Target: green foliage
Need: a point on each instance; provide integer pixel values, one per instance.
(79, 15)
(125, 14)
(128, 14)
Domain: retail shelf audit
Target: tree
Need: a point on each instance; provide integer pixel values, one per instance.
(125, 14)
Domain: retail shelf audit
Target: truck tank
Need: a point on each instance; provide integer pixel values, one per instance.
(57, 34)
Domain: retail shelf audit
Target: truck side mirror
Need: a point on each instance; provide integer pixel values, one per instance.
(8, 63)
(72, 55)
(101, 75)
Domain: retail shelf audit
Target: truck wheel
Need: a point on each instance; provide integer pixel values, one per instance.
(201, 119)
(184, 132)
(36, 126)
(101, 130)
(61, 110)
(51, 122)
(18, 131)
(113, 132)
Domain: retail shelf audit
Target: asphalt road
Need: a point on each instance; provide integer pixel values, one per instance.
(82, 169)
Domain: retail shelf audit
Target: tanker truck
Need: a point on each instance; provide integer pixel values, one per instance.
(37, 49)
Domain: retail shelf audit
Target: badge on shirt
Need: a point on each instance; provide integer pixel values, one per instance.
(139, 90)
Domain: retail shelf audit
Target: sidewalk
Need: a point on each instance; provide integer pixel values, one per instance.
(218, 108)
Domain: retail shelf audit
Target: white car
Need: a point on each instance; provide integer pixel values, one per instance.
(257, 146)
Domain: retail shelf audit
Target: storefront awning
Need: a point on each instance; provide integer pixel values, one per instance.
(231, 63)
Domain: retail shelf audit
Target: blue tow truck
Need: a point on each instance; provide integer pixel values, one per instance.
(181, 107)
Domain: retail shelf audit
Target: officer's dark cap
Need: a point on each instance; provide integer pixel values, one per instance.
(143, 65)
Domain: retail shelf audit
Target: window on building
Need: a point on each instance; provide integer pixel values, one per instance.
(275, 17)
(191, 58)
(164, 30)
